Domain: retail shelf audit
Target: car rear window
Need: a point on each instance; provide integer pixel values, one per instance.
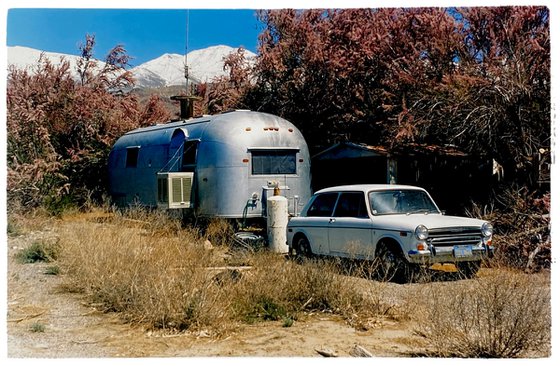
(351, 204)
(322, 205)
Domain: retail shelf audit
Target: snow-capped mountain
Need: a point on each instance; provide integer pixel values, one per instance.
(169, 69)
(166, 70)
(26, 58)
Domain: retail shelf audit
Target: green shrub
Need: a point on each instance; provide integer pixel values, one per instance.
(52, 270)
(37, 328)
(57, 205)
(288, 321)
(266, 308)
(39, 252)
(13, 228)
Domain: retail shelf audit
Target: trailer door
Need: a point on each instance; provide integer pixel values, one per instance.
(176, 144)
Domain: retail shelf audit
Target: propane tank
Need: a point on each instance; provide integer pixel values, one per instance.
(277, 223)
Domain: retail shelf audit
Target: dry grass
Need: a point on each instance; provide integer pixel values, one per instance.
(158, 274)
(522, 225)
(131, 265)
(277, 288)
(219, 232)
(504, 315)
(20, 223)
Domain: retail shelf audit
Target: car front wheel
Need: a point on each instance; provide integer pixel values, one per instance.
(392, 266)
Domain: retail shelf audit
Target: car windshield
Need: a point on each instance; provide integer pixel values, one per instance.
(401, 202)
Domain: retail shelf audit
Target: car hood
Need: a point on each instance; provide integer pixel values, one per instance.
(431, 221)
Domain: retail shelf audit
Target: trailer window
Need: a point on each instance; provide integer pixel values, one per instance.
(189, 156)
(132, 157)
(273, 162)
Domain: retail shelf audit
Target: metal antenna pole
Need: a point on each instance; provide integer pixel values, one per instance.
(186, 101)
(186, 55)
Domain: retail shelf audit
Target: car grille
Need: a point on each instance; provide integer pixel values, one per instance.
(455, 236)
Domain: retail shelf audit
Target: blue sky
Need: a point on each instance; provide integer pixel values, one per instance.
(149, 29)
(145, 33)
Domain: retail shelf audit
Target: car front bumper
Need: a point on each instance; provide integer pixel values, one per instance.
(458, 253)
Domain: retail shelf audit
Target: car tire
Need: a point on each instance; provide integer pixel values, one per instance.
(468, 269)
(392, 266)
(302, 249)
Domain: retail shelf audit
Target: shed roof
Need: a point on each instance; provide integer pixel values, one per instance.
(344, 150)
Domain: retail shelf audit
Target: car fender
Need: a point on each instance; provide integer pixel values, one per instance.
(294, 233)
(394, 237)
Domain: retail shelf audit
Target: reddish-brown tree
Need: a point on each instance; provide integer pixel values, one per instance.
(227, 92)
(477, 78)
(60, 130)
(340, 74)
(497, 102)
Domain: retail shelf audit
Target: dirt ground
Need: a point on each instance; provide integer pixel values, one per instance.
(44, 321)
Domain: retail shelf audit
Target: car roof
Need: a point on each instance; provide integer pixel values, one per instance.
(366, 188)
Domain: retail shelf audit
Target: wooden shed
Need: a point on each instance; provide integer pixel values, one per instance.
(454, 178)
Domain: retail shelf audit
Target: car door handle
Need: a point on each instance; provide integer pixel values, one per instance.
(332, 220)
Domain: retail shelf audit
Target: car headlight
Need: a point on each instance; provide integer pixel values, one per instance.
(487, 229)
(421, 232)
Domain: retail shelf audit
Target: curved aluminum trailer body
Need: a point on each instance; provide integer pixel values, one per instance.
(237, 158)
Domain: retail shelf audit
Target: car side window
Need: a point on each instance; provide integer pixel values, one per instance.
(323, 205)
(351, 204)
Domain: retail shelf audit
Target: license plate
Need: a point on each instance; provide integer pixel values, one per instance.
(462, 251)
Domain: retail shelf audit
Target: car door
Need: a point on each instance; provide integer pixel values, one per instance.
(350, 227)
(317, 222)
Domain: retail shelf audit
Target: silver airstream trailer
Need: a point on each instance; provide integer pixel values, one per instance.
(223, 165)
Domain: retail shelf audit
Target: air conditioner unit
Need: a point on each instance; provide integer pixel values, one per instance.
(174, 190)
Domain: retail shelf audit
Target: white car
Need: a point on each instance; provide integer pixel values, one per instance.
(400, 227)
